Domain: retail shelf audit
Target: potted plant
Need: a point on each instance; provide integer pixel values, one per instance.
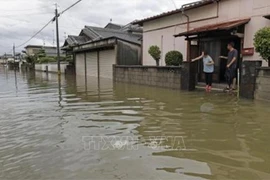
(262, 43)
(155, 52)
(174, 58)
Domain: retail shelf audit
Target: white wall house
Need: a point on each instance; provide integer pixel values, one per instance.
(160, 30)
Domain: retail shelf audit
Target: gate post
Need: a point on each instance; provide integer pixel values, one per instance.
(188, 76)
(248, 78)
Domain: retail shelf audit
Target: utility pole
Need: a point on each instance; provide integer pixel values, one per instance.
(57, 39)
(53, 38)
(14, 54)
(5, 58)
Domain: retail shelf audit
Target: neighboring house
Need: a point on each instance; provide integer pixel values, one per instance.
(207, 24)
(96, 49)
(5, 57)
(49, 50)
(10, 58)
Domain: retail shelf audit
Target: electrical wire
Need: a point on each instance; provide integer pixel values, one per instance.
(174, 4)
(70, 7)
(35, 34)
(52, 20)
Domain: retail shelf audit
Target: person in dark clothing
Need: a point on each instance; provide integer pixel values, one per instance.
(208, 69)
(230, 73)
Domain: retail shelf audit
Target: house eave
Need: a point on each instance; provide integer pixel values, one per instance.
(186, 7)
(91, 46)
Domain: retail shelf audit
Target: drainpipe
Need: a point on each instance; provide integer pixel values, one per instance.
(188, 42)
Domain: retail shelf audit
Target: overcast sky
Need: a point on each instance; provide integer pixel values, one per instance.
(20, 19)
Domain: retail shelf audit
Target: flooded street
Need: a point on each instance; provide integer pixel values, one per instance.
(101, 130)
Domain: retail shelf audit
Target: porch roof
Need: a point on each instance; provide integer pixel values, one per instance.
(267, 16)
(215, 27)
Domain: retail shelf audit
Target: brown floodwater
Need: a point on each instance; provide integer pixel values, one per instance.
(80, 129)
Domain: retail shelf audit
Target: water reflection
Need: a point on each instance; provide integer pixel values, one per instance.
(42, 125)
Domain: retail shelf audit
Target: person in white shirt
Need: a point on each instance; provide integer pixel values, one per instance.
(208, 69)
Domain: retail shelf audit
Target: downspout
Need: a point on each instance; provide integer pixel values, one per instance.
(188, 27)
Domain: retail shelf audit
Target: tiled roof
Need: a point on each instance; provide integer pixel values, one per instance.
(214, 27)
(113, 26)
(130, 33)
(183, 8)
(73, 40)
(132, 28)
(98, 33)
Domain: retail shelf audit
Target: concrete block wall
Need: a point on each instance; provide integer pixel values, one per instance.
(164, 77)
(262, 91)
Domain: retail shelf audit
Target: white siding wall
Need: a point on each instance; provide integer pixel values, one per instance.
(80, 64)
(107, 59)
(165, 40)
(90, 81)
(91, 64)
(52, 67)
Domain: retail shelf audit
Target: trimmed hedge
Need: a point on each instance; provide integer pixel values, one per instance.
(174, 58)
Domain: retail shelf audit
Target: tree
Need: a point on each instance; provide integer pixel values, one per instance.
(30, 59)
(155, 52)
(174, 58)
(262, 43)
(41, 53)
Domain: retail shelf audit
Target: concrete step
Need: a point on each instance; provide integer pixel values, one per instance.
(215, 87)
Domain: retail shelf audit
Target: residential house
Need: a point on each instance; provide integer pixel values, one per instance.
(96, 49)
(210, 25)
(4, 58)
(49, 50)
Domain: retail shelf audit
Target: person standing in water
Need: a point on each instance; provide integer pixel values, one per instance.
(208, 69)
(231, 66)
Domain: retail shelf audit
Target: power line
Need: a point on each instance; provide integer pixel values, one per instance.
(36, 33)
(52, 20)
(70, 7)
(57, 33)
(174, 4)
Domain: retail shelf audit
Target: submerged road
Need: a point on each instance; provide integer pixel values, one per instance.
(77, 129)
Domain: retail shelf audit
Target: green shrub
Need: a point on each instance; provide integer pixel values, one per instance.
(46, 60)
(41, 53)
(174, 58)
(30, 59)
(155, 52)
(262, 43)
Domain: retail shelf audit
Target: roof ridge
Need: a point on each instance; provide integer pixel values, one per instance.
(93, 31)
(118, 31)
(116, 24)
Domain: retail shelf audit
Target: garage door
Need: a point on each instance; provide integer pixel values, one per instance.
(106, 60)
(80, 64)
(91, 64)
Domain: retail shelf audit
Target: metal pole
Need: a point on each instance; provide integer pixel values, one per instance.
(57, 40)
(238, 83)
(14, 50)
(14, 56)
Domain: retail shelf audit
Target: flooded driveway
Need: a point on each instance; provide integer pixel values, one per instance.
(69, 130)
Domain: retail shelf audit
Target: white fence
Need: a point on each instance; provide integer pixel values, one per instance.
(51, 67)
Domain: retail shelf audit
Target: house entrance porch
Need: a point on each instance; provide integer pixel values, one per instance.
(214, 39)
